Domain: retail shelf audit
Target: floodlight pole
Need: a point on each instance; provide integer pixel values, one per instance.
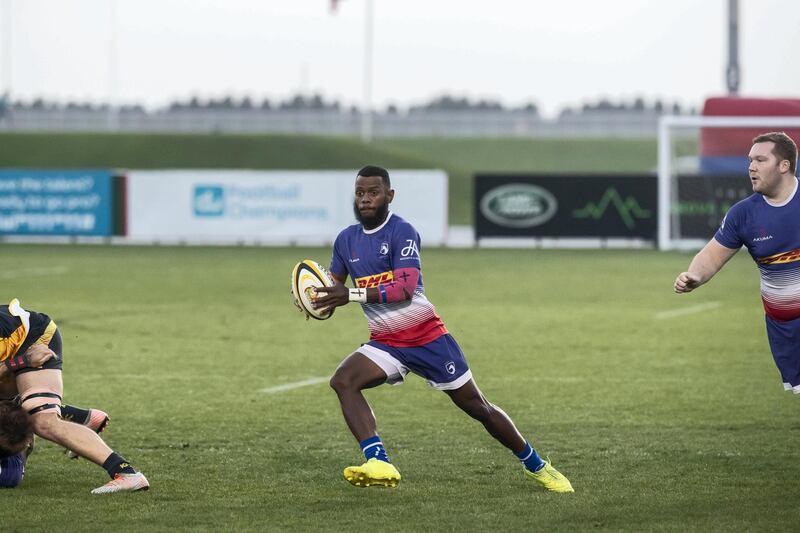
(112, 117)
(732, 73)
(7, 43)
(366, 106)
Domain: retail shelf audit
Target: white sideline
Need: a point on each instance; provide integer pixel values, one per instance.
(295, 385)
(33, 271)
(692, 309)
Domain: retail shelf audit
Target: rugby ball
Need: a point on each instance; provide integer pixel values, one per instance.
(307, 276)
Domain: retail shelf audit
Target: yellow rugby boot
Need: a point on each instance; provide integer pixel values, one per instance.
(373, 473)
(550, 478)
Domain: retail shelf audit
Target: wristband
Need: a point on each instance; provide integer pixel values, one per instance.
(357, 295)
(17, 363)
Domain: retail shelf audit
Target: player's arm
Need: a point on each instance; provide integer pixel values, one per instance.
(339, 279)
(400, 289)
(705, 264)
(34, 357)
(335, 296)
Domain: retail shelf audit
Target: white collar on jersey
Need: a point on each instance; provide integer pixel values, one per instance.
(794, 191)
(374, 230)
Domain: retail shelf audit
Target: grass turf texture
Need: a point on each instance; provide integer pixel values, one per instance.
(461, 158)
(669, 424)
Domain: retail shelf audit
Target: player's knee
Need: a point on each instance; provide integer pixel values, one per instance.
(45, 424)
(44, 411)
(340, 382)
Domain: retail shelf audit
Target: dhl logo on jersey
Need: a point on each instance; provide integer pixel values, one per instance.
(375, 280)
(783, 257)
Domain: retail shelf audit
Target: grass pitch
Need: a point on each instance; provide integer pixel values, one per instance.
(662, 421)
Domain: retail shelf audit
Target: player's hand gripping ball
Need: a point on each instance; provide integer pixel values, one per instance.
(307, 276)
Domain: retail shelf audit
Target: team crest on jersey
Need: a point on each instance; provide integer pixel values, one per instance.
(366, 282)
(384, 248)
(450, 367)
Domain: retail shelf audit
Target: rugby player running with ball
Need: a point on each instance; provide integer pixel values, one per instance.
(381, 255)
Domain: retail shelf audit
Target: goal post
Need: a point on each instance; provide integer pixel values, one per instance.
(681, 176)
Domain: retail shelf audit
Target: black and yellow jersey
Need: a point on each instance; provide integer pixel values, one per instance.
(19, 329)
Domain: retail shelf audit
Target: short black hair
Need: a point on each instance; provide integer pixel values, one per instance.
(372, 170)
(15, 428)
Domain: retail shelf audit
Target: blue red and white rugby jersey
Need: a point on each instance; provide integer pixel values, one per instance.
(370, 257)
(771, 234)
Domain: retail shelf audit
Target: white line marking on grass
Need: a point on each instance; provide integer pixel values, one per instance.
(295, 385)
(33, 271)
(692, 309)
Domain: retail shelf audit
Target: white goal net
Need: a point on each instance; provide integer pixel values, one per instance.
(702, 172)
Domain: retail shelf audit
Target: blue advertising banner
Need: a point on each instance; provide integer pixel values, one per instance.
(56, 202)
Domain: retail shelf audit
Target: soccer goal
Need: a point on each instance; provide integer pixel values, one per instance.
(702, 172)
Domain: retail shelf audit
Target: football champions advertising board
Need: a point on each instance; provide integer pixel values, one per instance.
(270, 207)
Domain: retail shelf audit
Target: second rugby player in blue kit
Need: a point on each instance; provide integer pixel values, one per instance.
(767, 223)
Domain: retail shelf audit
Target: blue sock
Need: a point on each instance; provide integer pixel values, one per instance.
(373, 448)
(530, 458)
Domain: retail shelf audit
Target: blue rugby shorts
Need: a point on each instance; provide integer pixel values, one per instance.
(12, 470)
(440, 362)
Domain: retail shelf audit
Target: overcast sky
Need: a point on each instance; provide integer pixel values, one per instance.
(549, 52)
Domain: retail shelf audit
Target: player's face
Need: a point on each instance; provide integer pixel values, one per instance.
(372, 201)
(764, 169)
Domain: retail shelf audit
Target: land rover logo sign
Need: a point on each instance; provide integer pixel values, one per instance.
(518, 205)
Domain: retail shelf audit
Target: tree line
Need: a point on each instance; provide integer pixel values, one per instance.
(316, 102)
